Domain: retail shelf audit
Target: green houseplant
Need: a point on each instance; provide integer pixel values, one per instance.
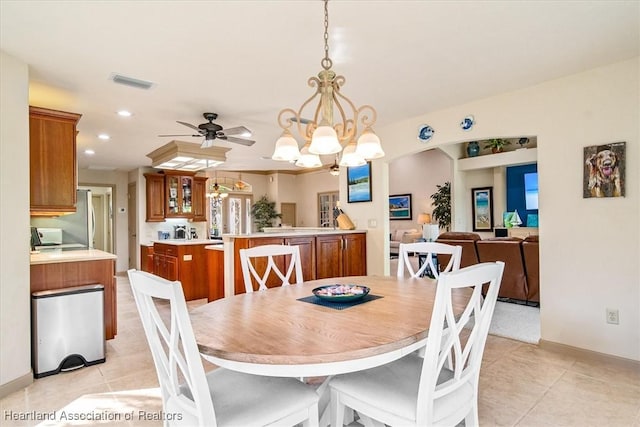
(264, 212)
(497, 144)
(442, 202)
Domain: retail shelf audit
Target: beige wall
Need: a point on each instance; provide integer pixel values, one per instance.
(418, 174)
(15, 333)
(589, 248)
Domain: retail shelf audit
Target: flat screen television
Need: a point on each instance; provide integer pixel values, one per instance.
(531, 190)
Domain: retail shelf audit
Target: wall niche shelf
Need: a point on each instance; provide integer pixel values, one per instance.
(508, 158)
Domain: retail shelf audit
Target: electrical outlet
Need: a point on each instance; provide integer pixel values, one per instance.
(613, 316)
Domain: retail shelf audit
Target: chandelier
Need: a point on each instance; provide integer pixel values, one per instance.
(217, 192)
(334, 124)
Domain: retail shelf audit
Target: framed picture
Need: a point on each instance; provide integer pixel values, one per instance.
(400, 206)
(604, 170)
(482, 208)
(359, 183)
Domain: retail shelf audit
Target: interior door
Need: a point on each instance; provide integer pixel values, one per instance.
(288, 211)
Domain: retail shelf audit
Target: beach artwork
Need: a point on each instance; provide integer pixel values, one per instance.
(482, 208)
(400, 206)
(359, 183)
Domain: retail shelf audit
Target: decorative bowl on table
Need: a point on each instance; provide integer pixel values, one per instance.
(341, 293)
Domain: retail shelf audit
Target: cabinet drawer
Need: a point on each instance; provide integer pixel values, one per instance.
(164, 249)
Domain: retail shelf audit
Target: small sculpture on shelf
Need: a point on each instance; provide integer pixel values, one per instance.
(523, 142)
(473, 149)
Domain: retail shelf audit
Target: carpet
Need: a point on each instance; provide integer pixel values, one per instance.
(515, 321)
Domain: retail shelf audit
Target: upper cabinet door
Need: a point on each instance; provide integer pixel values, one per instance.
(52, 165)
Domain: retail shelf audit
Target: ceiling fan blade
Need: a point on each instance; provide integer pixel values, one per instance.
(198, 136)
(189, 125)
(247, 142)
(238, 130)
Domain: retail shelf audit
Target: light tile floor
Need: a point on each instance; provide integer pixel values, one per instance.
(520, 384)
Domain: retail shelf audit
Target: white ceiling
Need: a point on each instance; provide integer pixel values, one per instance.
(246, 60)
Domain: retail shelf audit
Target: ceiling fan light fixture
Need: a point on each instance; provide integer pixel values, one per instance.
(286, 148)
(334, 169)
(338, 115)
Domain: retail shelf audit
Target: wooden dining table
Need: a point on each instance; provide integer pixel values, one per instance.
(273, 333)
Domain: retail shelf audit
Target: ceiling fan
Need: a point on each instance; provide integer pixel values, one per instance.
(212, 131)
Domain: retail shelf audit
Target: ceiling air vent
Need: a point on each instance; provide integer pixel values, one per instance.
(130, 81)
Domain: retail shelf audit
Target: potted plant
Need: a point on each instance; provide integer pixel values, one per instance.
(264, 212)
(497, 144)
(442, 202)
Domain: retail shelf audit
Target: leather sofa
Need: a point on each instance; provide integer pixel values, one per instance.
(531, 256)
(402, 236)
(521, 278)
(509, 250)
(468, 243)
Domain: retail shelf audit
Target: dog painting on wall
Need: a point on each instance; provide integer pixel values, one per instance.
(604, 170)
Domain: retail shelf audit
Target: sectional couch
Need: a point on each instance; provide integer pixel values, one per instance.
(402, 236)
(520, 281)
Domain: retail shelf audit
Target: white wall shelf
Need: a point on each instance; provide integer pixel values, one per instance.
(508, 158)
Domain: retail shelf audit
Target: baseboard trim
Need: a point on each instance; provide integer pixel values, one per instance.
(582, 352)
(15, 385)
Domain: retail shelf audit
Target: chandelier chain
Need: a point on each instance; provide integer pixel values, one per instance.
(326, 61)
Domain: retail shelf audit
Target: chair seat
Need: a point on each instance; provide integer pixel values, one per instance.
(395, 386)
(250, 400)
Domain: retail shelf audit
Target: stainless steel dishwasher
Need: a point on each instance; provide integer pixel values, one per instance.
(67, 329)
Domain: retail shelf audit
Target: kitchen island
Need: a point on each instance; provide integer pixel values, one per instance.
(324, 253)
(57, 269)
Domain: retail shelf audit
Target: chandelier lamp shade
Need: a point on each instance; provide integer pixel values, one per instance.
(328, 122)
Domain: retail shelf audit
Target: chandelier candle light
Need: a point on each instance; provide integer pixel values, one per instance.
(331, 127)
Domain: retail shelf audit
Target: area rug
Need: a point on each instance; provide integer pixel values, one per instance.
(515, 321)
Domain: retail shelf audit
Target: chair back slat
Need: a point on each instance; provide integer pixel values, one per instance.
(406, 250)
(173, 347)
(251, 274)
(451, 351)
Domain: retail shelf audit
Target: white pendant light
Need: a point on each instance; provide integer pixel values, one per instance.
(369, 145)
(308, 160)
(324, 140)
(286, 148)
(350, 157)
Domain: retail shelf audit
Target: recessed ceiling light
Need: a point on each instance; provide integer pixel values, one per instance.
(89, 152)
(124, 113)
(104, 136)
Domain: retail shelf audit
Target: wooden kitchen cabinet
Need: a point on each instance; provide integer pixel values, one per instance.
(200, 198)
(178, 194)
(52, 161)
(306, 244)
(186, 263)
(50, 276)
(341, 255)
(155, 196)
(175, 194)
(165, 261)
(146, 258)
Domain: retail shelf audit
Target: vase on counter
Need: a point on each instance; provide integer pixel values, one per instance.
(473, 149)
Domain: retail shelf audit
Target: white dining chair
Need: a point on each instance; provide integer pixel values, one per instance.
(221, 397)
(424, 391)
(252, 257)
(429, 249)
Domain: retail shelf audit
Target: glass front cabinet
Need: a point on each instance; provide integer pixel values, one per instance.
(179, 198)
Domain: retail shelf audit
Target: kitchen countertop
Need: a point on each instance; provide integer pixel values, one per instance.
(297, 231)
(218, 247)
(52, 257)
(184, 242)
